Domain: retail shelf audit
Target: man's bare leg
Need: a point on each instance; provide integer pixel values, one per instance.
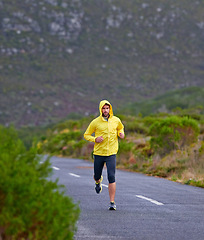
(112, 189)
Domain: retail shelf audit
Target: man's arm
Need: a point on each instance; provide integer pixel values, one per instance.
(120, 129)
(89, 131)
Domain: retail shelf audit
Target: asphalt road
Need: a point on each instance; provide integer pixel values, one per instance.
(148, 208)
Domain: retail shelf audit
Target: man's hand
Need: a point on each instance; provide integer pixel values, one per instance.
(99, 139)
(121, 135)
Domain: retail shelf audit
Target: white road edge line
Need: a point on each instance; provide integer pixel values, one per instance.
(104, 185)
(149, 199)
(56, 168)
(74, 175)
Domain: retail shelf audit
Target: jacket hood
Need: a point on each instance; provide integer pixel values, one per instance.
(102, 103)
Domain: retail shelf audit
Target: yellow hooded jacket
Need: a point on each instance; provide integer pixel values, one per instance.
(108, 129)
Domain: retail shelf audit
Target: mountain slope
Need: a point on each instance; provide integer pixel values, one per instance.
(191, 99)
(59, 57)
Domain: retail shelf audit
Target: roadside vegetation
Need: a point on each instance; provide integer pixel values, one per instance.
(168, 145)
(31, 206)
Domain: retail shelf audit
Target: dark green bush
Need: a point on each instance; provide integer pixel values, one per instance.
(69, 124)
(125, 146)
(27, 134)
(149, 120)
(57, 142)
(173, 133)
(31, 207)
(197, 183)
(135, 126)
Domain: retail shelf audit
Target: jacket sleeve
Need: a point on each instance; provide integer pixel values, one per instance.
(89, 131)
(120, 127)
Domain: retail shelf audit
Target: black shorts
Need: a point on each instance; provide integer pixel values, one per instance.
(110, 164)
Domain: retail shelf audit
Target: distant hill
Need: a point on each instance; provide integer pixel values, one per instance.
(60, 57)
(190, 99)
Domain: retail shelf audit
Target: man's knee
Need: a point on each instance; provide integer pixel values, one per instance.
(111, 179)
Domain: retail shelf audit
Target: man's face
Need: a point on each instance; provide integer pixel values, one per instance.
(105, 110)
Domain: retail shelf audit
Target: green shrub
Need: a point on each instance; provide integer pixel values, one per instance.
(197, 183)
(73, 124)
(173, 133)
(125, 146)
(135, 126)
(201, 149)
(28, 134)
(31, 207)
(62, 140)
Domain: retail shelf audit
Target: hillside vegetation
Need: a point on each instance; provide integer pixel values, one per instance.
(191, 99)
(165, 145)
(60, 57)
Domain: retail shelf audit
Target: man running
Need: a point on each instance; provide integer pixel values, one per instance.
(107, 129)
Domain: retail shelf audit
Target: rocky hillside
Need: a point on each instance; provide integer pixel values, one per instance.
(59, 57)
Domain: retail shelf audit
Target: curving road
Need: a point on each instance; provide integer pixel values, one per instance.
(148, 208)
